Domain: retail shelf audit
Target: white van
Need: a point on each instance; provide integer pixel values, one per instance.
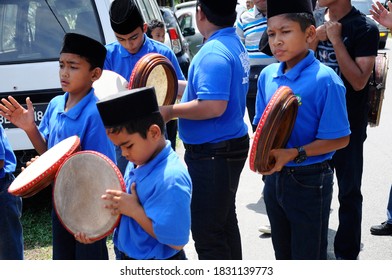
(31, 34)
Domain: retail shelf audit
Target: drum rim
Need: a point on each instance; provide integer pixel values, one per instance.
(46, 178)
(143, 69)
(281, 104)
(122, 186)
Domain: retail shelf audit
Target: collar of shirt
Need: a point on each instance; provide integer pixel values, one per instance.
(75, 111)
(146, 48)
(143, 171)
(297, 69)
(222, 32)
(257, 13)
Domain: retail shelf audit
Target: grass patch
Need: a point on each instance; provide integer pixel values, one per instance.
(37, 230)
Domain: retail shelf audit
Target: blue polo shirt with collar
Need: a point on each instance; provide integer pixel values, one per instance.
(82, 120)
(6, 154)
(119, 60)
(322, 112)
(219, 71)
(163, 186)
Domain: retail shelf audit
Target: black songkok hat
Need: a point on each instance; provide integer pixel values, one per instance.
(220, 12)
(125, 16)
(124, 106)
(84, 46)
(278, 7)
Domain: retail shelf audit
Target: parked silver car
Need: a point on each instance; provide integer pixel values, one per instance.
(179, 43)
(186, 15)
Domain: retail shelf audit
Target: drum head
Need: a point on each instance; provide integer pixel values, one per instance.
(79, 184)
(274, 129)
(109, 83)
(156, 70)
(40, 173)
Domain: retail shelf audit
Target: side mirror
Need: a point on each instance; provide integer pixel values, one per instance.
(188, 31)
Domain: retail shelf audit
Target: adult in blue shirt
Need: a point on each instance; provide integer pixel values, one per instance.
(212, 127)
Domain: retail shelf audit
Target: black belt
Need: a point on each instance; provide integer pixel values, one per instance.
(215, 146)
(179, 256)
(315, 166)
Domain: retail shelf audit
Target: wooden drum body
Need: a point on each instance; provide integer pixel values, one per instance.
(41, 172)
(156, 70)
(274, 129)
(79, 184)
(377, 85)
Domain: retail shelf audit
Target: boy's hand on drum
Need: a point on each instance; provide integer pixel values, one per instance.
(17, 114)
(82, 238)
(121, 202)
(279, 158)
(30, 162)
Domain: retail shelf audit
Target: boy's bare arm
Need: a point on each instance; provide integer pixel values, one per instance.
(357, 71)
(181, 87)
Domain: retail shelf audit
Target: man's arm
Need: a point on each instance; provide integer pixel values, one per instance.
(357, 71)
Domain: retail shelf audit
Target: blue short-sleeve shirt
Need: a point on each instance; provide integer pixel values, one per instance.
(82, 120)
(119, 60)
(219, 71)
(6, 154)
(163, 186)
(322, 112)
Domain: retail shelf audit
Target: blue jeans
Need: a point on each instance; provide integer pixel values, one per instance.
(389, 207)
(66, 247)
(11, 233)
(215, 172)
(348, 165)
(298, 201)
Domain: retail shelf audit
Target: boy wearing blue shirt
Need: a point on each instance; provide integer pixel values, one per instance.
(155, 209)
(132, 44)
(74, 113)
(298, 190)
(11, 233)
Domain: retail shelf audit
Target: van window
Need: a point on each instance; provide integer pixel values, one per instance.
(33, 30)
(149, 11)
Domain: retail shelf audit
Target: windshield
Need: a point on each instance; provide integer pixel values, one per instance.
(33, 30)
